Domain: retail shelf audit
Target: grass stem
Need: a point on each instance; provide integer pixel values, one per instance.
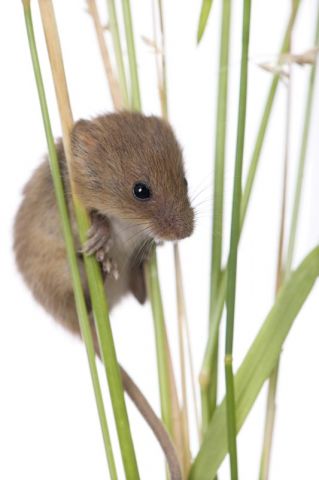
(209, 392)
(234, 240)
(302, 159)
(265, 121)
(163, 80)
(216, 313)
(181, 316)
(115, 32)
(112, 80)
(96, 286)
(169, 402)
(284, 270)
(160, 338)
(273, 379)
(135, 99)
(69, 243)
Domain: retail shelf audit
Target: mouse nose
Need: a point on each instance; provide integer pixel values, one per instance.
(176, 225)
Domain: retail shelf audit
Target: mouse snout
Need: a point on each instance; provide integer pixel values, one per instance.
(175, 225)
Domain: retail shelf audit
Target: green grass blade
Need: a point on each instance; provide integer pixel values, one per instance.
(94, 275)
(220, 145)
(265, 120)
(257, 365)
(302, 159)
(135, 87)
(218, 304)
(160, 339)
(208, 392)
(233, 252)
(203, 18)
(115, 32)
(151, 270)
(69, 243)
(285, 269)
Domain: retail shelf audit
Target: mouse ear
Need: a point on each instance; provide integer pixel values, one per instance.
(83, 137)
(85, 168)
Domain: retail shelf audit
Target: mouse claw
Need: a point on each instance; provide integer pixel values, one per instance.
(110, 268)
(107, 265)
(100, 255)
(96, 243)
(115, 272)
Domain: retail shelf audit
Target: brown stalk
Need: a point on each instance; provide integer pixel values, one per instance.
(95, 282)
(179, 413)
(112, 80)
(273, 379)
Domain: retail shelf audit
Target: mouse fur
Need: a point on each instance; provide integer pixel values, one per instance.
(111, 154)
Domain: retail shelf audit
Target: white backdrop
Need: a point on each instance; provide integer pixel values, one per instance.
(48, 423)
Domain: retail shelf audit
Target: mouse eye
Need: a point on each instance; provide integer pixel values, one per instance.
(185, 183)
(141, 191)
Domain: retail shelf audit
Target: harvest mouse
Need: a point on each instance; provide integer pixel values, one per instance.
(128, 172)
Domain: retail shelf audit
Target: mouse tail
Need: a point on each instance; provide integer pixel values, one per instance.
(147, 412)
(154, 423)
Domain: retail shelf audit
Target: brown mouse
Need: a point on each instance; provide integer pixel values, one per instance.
(128, 171)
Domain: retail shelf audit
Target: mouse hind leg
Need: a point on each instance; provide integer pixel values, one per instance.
(43, 263)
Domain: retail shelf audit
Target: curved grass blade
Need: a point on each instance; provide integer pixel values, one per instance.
(285, 269)
(257, 365)
(203, 18)
(207, 372)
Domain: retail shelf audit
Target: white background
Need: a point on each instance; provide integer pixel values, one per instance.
(48, 423)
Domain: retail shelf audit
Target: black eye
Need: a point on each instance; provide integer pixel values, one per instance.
(142, 191)
(185, 182)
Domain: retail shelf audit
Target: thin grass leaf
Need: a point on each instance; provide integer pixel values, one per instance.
(257, 365)
(209, 390)
(207, 370)
(233, 251)
(115, 32)
(203, 18)
(273, 379)
(94, 276)
(160, 339)
(181, 319)
(284, 269)
(302, 159)
(135, 98)
(162, 74)
(167, 383)
(69, 243)
(180, 426)
(265, 120)
(112, 80)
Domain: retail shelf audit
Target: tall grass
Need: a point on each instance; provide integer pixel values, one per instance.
(207, 374)
(233, 251)
(285, 264)
(71, 252)
(209, 382)
(93, 272)
(220, 422)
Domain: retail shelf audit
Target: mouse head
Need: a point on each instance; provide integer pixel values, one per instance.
(130, 166)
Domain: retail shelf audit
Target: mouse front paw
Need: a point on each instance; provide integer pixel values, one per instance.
(99, 242)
